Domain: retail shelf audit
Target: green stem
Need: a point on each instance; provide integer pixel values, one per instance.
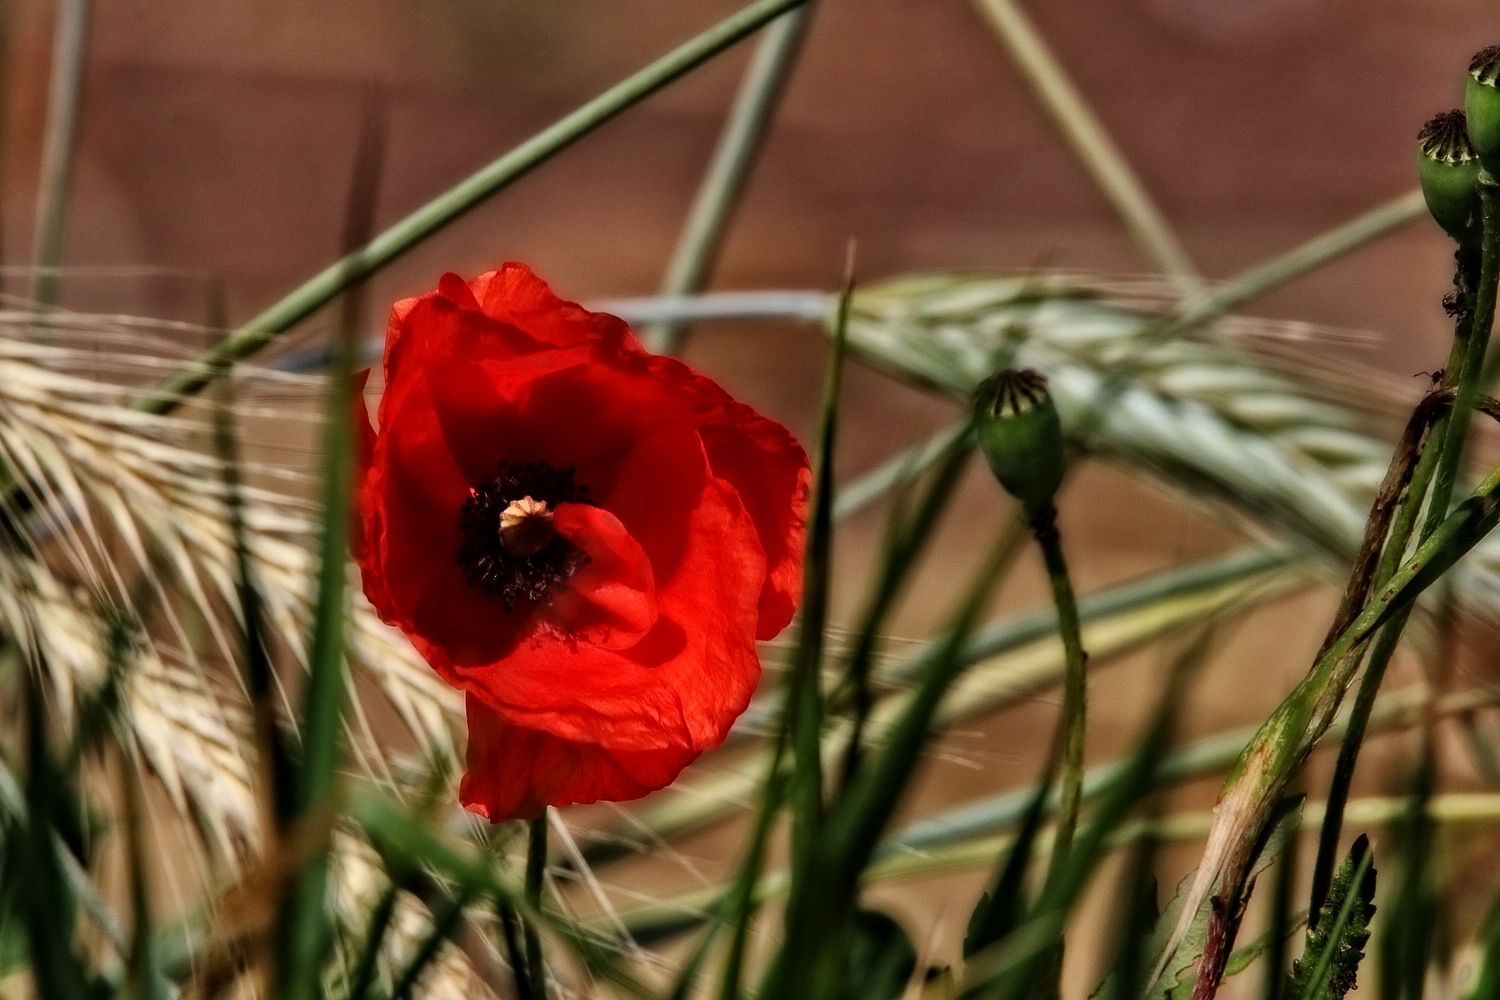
(358, 265)
(724, 183)
(536, 869)
(1343, 769)
(1438, 465)
(1075, 689)
(1469, 350)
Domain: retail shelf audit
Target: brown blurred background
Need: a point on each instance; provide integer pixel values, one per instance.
(217, 140)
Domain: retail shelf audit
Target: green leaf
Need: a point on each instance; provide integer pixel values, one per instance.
(1329, 966)
(1002, 909)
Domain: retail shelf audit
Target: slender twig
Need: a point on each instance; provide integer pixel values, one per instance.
(1091, 142)
(724, 182)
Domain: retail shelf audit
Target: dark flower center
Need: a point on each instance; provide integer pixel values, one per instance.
(509, 545)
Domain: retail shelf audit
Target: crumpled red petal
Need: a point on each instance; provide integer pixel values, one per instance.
(515, 773)
(611, 602)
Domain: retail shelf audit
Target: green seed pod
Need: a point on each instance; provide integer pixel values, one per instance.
(1021, 435)
(1482, 103)
(1449, 169)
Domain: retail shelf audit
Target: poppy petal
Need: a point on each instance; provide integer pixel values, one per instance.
(762, 460)
(515, 773)
(611, 602)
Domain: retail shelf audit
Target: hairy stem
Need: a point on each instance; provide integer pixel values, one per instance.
(1075, 691)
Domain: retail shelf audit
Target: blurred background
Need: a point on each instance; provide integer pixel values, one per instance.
(217, 139)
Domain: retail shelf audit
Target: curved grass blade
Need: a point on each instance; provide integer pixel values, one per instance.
(1090, 142)
(724, 182)
(359, 264)
(69, 57)
(303, 931)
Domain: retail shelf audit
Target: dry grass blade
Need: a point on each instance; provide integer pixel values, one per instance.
(110, 496)
(358, 883)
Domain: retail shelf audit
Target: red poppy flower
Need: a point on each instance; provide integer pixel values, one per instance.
(584, 538)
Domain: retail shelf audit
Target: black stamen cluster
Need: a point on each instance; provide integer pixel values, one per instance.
(485, 562)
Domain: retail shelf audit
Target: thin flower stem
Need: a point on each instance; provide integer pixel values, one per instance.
(511, 934)
(360, 264)
(1470, 339)
(1438, 465)
(724, 183)
(1075, 684)
(536, 870)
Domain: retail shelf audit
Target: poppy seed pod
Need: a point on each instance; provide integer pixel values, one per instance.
(1449, 169)
(1482, 104)
(1021, 435)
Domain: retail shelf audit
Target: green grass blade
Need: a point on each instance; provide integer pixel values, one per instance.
(804, 680)
(276, 766)
(1325, 247)
(143, 974)
(69, 57)
(723, 184)
(536, 873)
(1090, 142)
(1407, 932)
(359, 264)
(1343, 769)
(375, 933)
(303, 933)
(898, 470)
(1136, 912)
(47, 904)
(740, 909)
(905, 542)
(1001, 909)
(819, 909)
